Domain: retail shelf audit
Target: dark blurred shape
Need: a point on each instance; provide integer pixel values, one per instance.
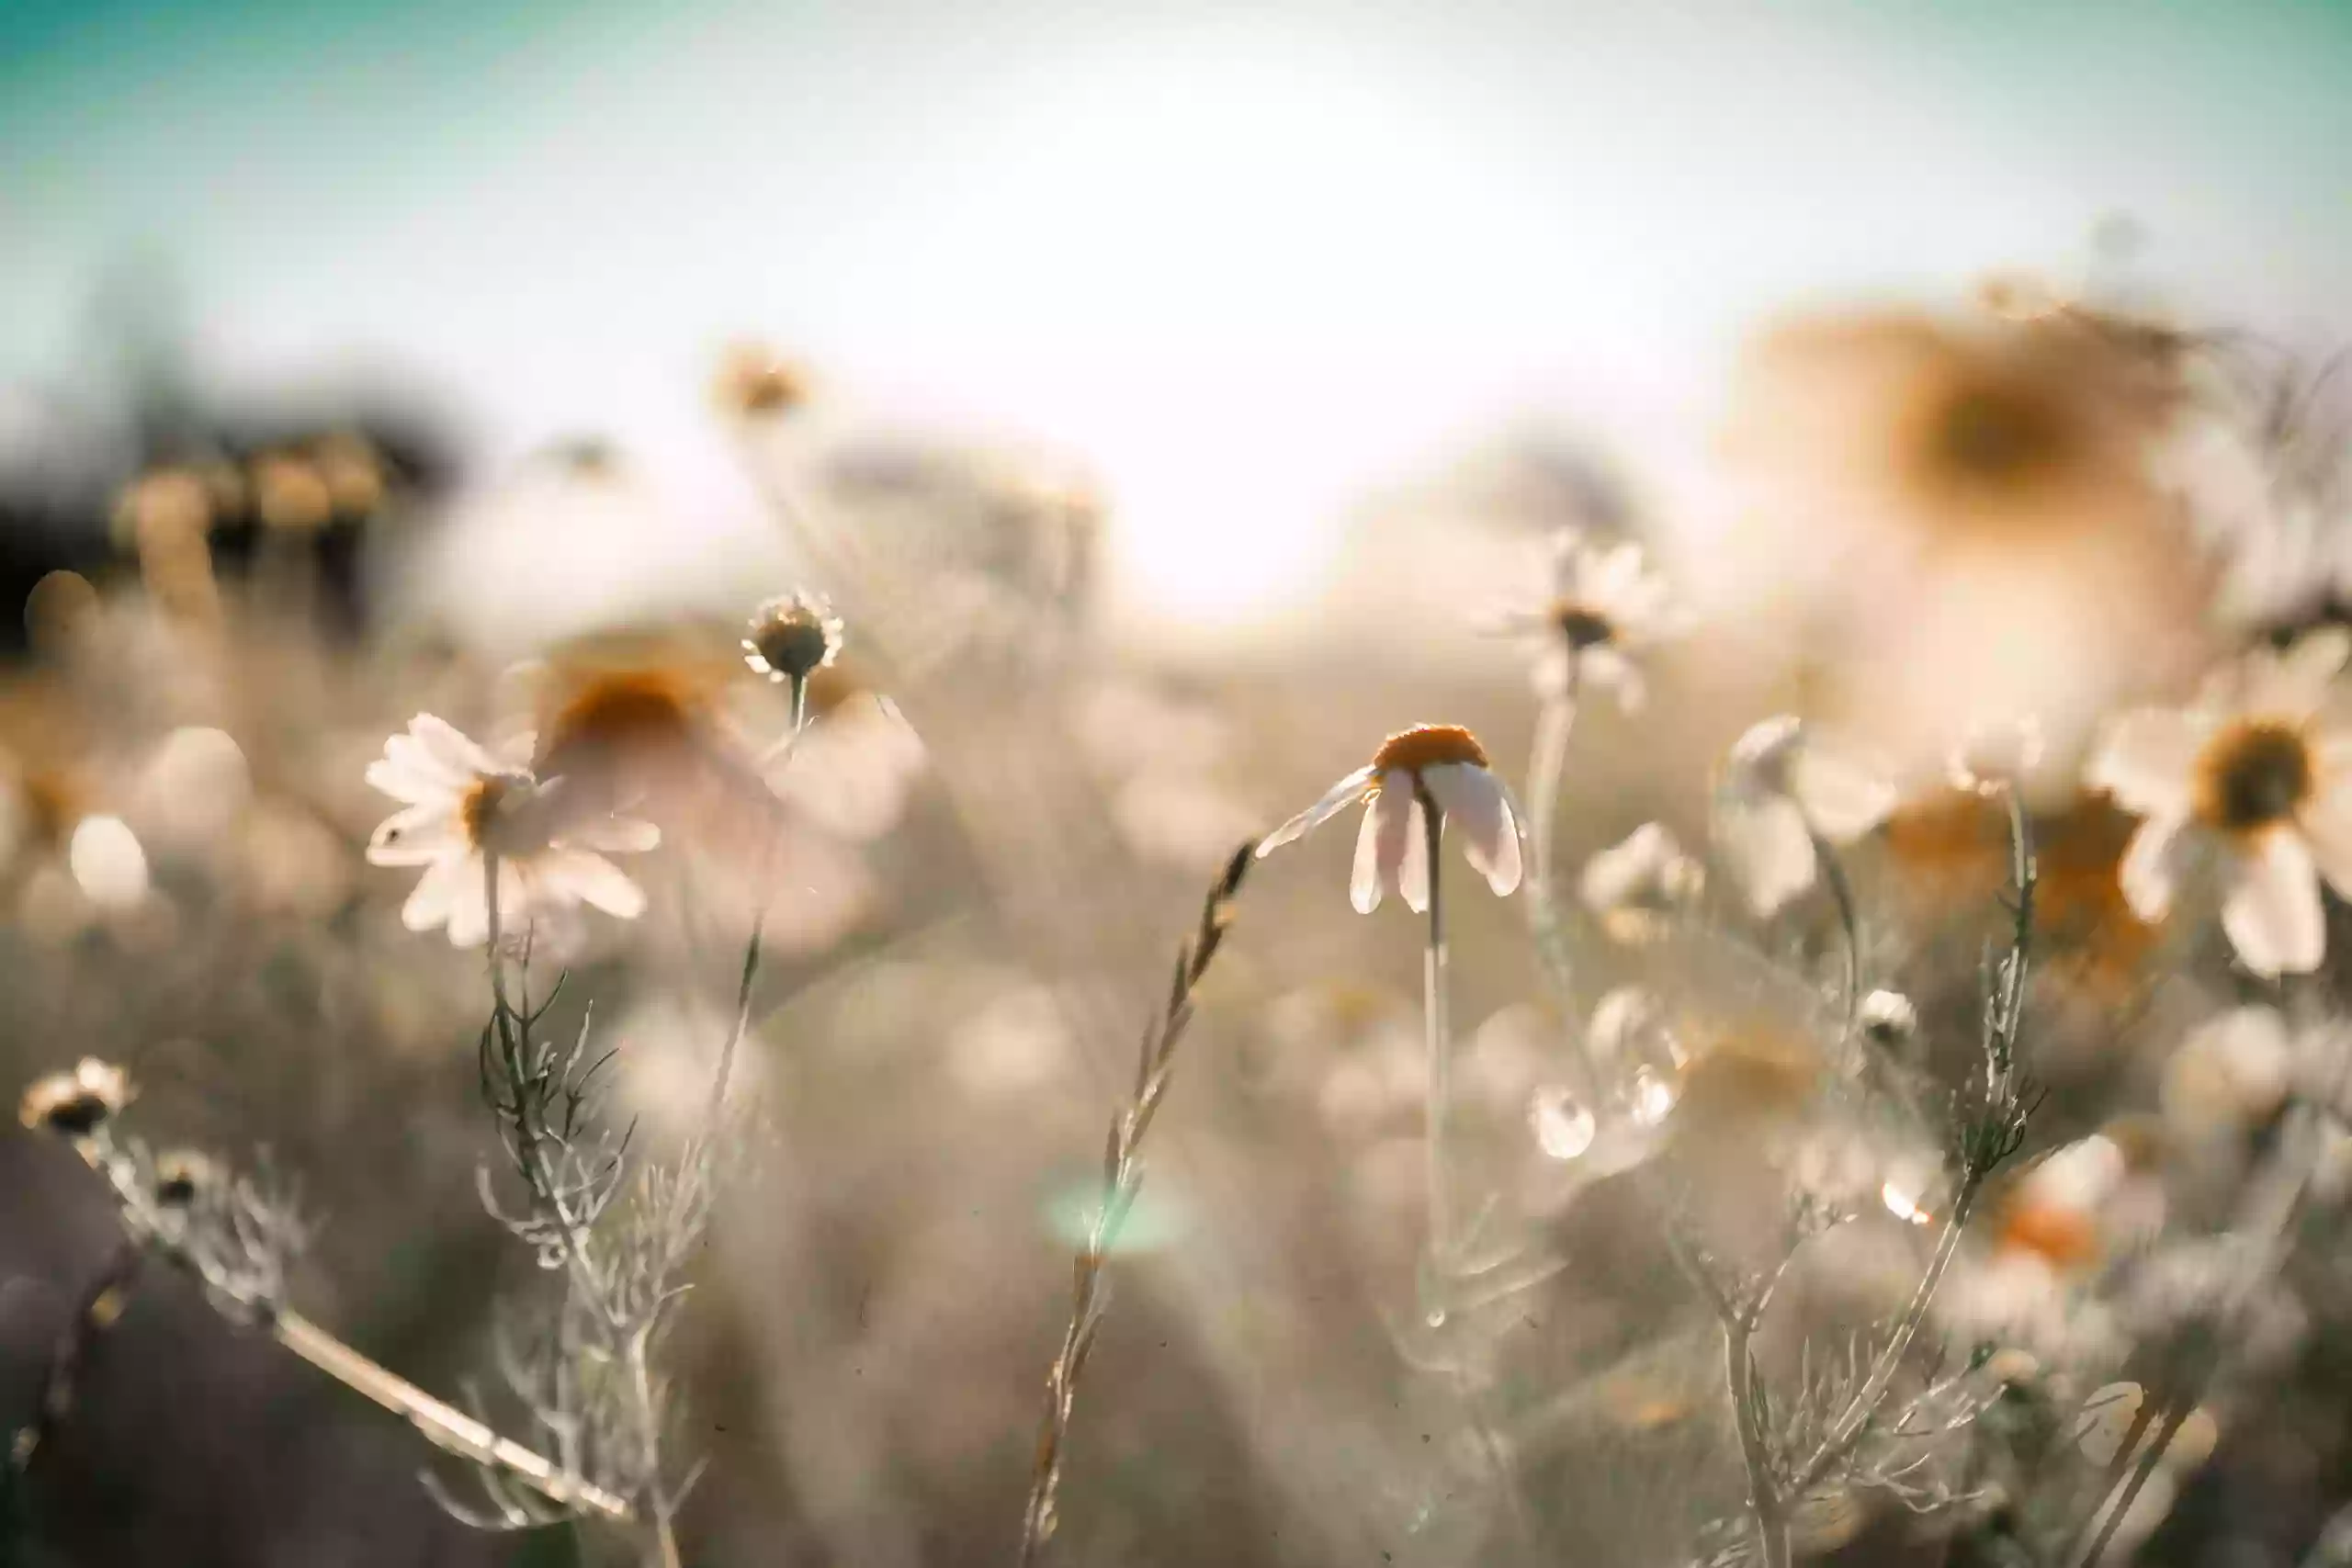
(143, 463)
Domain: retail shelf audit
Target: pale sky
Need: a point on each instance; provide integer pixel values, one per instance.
(1249, 259)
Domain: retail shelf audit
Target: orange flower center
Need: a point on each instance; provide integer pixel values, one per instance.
(1427, 746)
(2251, 774)
(478, 810)
(2062, 1237)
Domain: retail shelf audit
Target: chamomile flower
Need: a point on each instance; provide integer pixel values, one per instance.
(792, 638)
(1605, 604)
(460, 804)
(1431, 767)
(75, 1105)
(2257, 771)
(1783, 792)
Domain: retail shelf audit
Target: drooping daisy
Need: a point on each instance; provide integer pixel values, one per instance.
(1431, 767)
(1783, 790)
(1605, 604)
(462, 803)
(2257, 772)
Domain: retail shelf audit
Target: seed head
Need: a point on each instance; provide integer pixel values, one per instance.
(793, 636)
(75, 1105)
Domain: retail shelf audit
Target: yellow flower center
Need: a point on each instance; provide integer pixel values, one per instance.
(1427, 746)
(2254, 773)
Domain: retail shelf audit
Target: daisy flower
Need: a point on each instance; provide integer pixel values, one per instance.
(792, 638)
(1783, 794)
(75, 1105)
(461, 804)
(1431, 767)
(2256, 773)
(1605, 602)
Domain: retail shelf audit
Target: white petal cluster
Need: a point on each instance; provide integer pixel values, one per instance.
(2256, 774)
(1392, 847)
(1782, 790)
(460, 804)
(1607, 602)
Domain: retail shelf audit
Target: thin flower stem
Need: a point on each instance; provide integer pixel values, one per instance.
(1765, 1503)
(60, 1380)
(1554, 723)
(1847, 1429)
(443, 1426)
(1850, 922)
(1439, 1036)
(2151, 1453)
(662, 1538)
(1122, 1174)
(660, 1546)
(2280, 1191)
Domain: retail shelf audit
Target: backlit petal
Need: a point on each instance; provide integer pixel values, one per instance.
(2147, 760)
(1413, 875)
(2272, 910)
(418, 836)
(590, 878)
(1471, 798)
(1336, 799)
(2327, 829)
(1843, 797)
(2150, 870)
(1769, 850)
(444, 881)
(1380, 845)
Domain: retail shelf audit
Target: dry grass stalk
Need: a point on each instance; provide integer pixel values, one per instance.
(1122, 1179)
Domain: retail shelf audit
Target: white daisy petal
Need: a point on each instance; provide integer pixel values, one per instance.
(1615, 875)
(1471, 798)
(588, 877)
(1614, 571)
(1503, 876)
(1413, 874)
(620, 835)
(2272, 909)
(418, 836)
(1335, 800)
(1380, 845)
(2147, 759)
(450, 746)
(2294, 683)
(469, 907)
(2150, 870)
(1769, 850)
(2327, 829)
(1842, 797)
(436, 893)
(428, 761)
(1608, 668)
